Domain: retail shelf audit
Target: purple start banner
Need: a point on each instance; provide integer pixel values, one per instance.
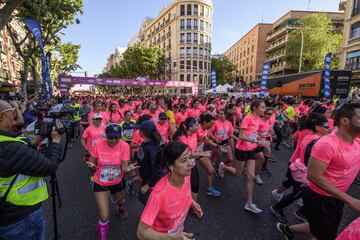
(65, 81)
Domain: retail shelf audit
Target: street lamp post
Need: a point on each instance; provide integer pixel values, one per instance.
(302, 49)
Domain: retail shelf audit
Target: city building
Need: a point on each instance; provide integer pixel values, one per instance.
(248, 54)
(278, 37)
(183, 29)
(115, 58)
(10, 62)
(350, 58)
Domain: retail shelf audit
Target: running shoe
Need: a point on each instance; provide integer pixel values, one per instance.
(300, 216)
(265, 172)
(122, 212)
(221, 171)
(284, 229)
(258, 180)
(300, 202)
(130, 189)
(213, 192)
(276, 195)
(252, 208)
(279, 214)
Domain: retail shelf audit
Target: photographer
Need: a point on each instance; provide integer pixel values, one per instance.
(22, 189)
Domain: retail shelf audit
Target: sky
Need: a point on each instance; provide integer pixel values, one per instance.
(108, 24)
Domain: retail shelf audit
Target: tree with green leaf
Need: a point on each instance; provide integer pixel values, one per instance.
(320, 37)
(53, 17)
(224, 69)
(7, 10)
(139, 61)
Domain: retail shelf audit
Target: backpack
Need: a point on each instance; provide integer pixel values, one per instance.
(308, 151)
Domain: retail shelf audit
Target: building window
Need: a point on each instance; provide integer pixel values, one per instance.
(202, 25)
(196, 26)
(188, 10)
(188, 24)
(200, 65)
(195, 52)
(182, 52)
(252, 48)
(182, 10)
(181, 77)
(250, 78)
(201, 52)
(201, 38)
(195, 67)
(196, 10)
(247, 70)
(182, 38)
(182, 65)
(188, 38)
(188, 78)
(251, 69)
(188, 65)
(175, 65)
(188, 52)
(202, 11)
(353, 61)
(355, 30)
(201, 79)
(195, 38)
(356, 8)
(182, 24)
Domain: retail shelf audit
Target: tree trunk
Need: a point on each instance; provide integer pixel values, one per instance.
(7, 10)
(24, 77)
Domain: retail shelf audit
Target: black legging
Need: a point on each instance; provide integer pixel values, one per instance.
(279, 135)
(194, 180)
(297, 193)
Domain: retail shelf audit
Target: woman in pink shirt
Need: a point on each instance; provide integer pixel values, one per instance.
(114, 116)
(247, 147)
(186, 133)
(222, 134)
(181, 115)
(97, 109)
(91, 135)
(170, 200)
(164, 128)
(137, 113)
(109, 157)
(319, 127)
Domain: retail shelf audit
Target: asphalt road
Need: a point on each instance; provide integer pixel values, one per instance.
(224, 217)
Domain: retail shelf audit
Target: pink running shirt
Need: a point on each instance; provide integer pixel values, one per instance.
(109, 160)
(342, 159)
(351, 232)
(168, 206)
(92, 134)
(251, 125)
(164, 132)
(223, 130)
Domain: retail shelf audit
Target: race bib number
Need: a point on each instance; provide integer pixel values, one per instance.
(222, 134)
(253, 137)
(129, 133)
(109, 174)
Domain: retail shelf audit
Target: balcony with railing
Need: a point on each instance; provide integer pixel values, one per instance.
(168, 34)
(168, 47)
(281, 31)
(355, 12)
(277, 45)
(163, 38)
(354, 41)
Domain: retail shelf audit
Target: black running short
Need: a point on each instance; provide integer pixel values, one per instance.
(245, 155)
(113, 188)
(324, 214)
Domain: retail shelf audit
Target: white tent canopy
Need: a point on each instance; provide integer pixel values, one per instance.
(221, 88)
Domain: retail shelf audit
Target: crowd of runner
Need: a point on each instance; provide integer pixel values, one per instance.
(153, 146)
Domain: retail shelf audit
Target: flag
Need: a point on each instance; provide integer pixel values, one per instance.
(213, 81)
(327, 69)
(264, 78)
(35, 29)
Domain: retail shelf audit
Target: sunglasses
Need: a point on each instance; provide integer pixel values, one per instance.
(326, 127)
(97, 119)
(113, 138)
(8, 110)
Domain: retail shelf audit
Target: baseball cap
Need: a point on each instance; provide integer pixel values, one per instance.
(163, 116)
(147, 126)
(97, 116)
(113, 131)
(153, 106)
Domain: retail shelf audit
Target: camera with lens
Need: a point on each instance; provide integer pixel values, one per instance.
(47, 119)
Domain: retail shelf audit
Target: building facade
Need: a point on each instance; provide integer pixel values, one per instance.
(278, 37)
(248, 54)
(114, 59)
(183, 29)
(10, 62)
(350, 58)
